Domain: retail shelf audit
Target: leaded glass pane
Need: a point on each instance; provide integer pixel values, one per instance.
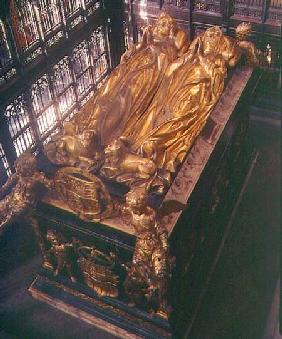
(81, 59)
(47, 120)
(84, 83)
(64, 90)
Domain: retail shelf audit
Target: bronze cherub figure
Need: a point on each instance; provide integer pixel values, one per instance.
(26, 184)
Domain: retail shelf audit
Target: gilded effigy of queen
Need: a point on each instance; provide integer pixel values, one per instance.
(191, 87)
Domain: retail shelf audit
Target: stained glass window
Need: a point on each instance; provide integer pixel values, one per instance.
(43, 106)
(19, 125)
(91, 6)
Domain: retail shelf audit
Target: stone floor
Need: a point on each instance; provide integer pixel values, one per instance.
(238, 301)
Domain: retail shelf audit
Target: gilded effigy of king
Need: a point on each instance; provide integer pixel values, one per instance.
(133, 84)
(136, 131)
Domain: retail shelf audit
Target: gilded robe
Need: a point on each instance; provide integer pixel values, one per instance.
(129, 90)
(182, 105)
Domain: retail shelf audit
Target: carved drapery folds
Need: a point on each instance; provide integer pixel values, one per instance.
(135, 133)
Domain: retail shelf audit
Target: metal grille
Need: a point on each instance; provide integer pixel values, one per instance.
(248, 8)
(5, 54)
(57, 95)
(275, 10)
(71, 6)
(63, 86)
(19, 125)
(24, 24)
(49, 10)
(82, 68)
(5, 169)
(43, 106)
(98, 54)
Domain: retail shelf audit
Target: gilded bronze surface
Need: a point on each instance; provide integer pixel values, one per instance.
(26, 184)
(136, 131)
(97, 270)
(83, 192)
(72, 149)
(149, 272)
(142, 122)
(133, 84)
(78, 262)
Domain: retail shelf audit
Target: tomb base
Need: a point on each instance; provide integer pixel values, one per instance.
(209, 182)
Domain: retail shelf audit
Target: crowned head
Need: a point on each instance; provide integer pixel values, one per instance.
(243, 30)
(212, 39)
(164, 26)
